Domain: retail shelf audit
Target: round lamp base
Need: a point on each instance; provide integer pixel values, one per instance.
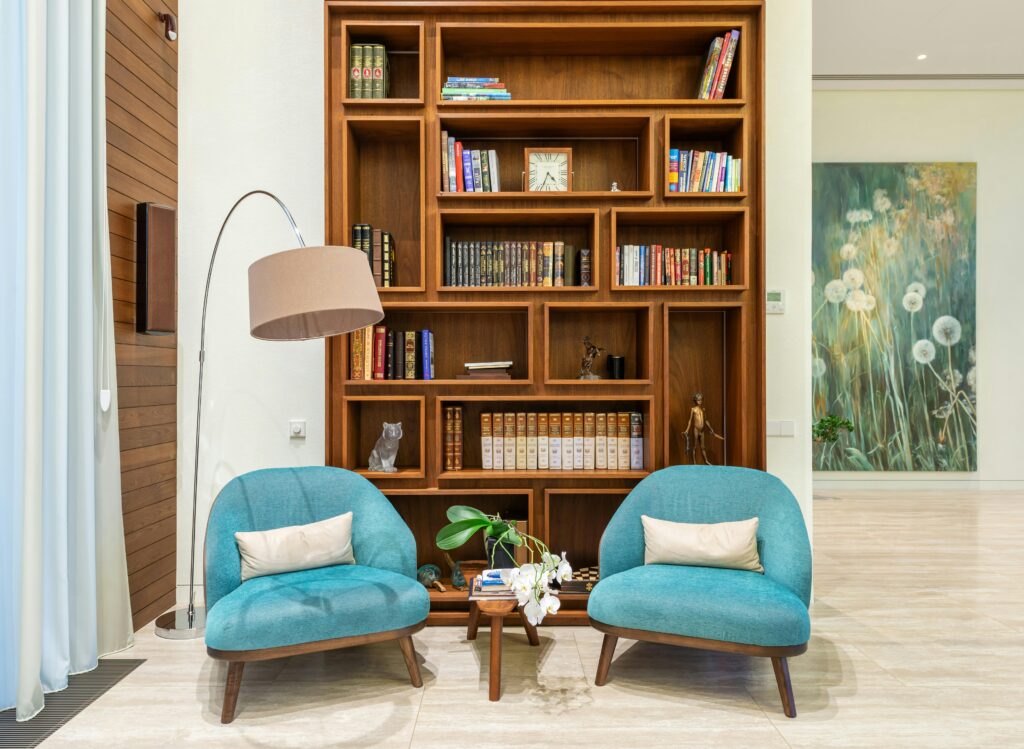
(174, 625)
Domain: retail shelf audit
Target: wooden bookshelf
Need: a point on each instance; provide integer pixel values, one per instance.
(615, 82)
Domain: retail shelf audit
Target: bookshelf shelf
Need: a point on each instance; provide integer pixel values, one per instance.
(616, 83)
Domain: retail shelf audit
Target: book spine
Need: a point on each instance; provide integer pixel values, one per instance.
(542, 442)
(379, 337)
(445, 166)
(377, 257)
(700, 268)
(533, 264)
(366, 82)
(567, 442)
(613, 442)
(601, 442)
(673, 170)
(355, 345)
(577, 441)
(559, 268)
(531, 442)
(486, 443)
(549, 252)
(718, 67)
(555, 442)
(636, 442)
(368, 352)
(449, 438)
(457, 429)
(485, 170)
(355, 75)
(478, 183)
(710, 68)
(589, 440)
(510, 442)
(467, 171)
(425, 353)
(520, 441)
(389, 356)
(387, 275)
(492, 156)
(617, 265)
(730, 55)
(377, 85)
(471, 79)
(623, 430)
(586, 263)
(498, 441)
(693, 266)
(410, 355)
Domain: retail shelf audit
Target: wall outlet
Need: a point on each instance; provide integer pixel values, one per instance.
(297, 429)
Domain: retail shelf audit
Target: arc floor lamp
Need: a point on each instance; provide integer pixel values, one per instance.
(295, 295)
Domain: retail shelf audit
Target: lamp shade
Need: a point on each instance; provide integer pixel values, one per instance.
(311, 292)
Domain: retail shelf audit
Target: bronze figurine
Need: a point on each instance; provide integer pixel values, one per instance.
(591, 352)
(698, 425)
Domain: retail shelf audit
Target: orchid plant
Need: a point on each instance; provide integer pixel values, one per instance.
(533, 583)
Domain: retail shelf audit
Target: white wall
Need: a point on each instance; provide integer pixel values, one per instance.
(986, 127)
(251, 115)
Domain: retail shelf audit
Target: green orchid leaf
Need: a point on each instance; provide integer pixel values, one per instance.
(454, 535)
(462, 512)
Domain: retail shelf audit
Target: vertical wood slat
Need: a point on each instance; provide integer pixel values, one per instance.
(142, 152)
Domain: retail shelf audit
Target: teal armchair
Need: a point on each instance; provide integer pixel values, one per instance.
(275, 616)
(702, 607)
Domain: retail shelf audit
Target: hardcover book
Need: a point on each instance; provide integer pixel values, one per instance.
(458, 438)
(379, 65)
(379, 339)
(449, 438)
(623, 429)
(589, 441)
(410, 355)
(542, 442)
(498, 441)
(586, 267)
(600, 442)
(520, 441)
(577, 441)
(510, 442)
(555, 442)
(636, 442)
(613, 442)
(355, 78)
(567, 442)
(531, 442)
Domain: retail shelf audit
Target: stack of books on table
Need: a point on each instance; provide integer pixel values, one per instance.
(487, 370)
(461, 88)
(488, 586)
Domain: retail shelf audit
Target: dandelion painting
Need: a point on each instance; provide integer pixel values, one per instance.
(894, 315)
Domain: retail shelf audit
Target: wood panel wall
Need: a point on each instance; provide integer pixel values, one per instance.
(142, 166)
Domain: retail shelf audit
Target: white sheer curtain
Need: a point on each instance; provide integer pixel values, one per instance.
(63, 587)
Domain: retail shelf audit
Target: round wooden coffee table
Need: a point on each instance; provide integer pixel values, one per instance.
(497, 610)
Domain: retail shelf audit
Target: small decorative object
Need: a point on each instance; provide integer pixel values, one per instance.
(548, 169)
(470, 568)
(429, 576)
(695, 429)
(590, 353)
(827, 431)
(616, 367)
(533, 583)
(382, 458)
(615, 187)
(458, 579)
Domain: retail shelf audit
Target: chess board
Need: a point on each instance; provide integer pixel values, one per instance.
(583, 580)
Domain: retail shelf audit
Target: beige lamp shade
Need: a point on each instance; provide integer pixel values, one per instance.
(311, 292)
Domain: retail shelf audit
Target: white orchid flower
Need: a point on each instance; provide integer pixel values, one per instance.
(534, 613)
(564, 570)
(549, 605)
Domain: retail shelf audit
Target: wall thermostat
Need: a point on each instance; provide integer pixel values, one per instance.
(775, 301)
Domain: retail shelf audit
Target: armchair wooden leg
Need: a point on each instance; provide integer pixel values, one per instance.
(604, 664)
(531, 631)
(409, 651)
(474, 620)
(781, 667)
(234, 683)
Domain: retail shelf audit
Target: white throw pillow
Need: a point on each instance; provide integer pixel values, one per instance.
(296, 547)
(729, 545)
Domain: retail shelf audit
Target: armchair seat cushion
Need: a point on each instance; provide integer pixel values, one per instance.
(311, 605)
(709, 603)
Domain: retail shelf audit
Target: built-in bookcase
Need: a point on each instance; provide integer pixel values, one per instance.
(617, 84)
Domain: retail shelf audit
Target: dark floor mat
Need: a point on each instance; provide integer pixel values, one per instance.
(62, 706)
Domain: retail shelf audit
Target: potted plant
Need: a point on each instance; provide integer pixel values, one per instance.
(533, 583)
(826, 432)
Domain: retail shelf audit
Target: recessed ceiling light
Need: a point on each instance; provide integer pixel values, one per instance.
(922, 57)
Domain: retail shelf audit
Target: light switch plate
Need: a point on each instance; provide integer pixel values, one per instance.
(773, 428)
(787, 428)
(297, 429)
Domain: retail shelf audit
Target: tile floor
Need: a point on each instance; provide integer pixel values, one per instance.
(918, 641)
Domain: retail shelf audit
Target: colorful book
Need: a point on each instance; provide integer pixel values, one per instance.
(733, 39)
(467, 171)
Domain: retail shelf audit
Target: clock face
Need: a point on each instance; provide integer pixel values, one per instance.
(549, 171)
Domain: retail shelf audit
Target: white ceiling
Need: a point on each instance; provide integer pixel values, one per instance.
(884, 37)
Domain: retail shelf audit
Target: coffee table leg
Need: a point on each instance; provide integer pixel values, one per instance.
(497, 624)
(531, 631)
(474, 620)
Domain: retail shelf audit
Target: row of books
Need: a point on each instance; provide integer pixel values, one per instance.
(378, 353)
(468, 170)
(516, 263)
(655, 265)
(453, 438)
(718, 65)
(703, 171)
(380, 249)
(368, 71)
(562, 441)
(463, 88)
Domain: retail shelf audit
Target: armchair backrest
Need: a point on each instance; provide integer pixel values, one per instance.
(715, 494)
(278, 497)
